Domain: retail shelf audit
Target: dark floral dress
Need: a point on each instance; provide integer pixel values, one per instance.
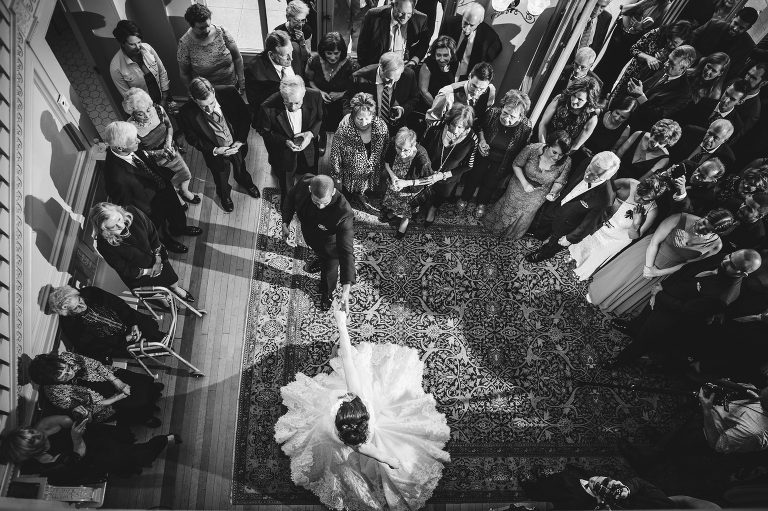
(405, 202)
(567, 120)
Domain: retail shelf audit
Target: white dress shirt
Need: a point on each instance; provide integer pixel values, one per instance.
(294, 119)
(464, 64)
(279, 69)
(397, 37)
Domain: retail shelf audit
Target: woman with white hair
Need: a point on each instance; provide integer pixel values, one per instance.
(296, 23)
(155, 134)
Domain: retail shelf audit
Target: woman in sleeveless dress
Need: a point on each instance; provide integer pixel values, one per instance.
(634, 211)
(437, 70)
(624, 285)
(330, 72)
(574, 111)
(645, 152)
(366, 436)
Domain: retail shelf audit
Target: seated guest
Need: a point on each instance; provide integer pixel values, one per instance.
(708, 110)
(86, 389)
(694, 187)
(750, 233)
(392, 85)
(72, 453)
(216, 122)
(397, 28)
(581, 67)
(137, 64)
(631, 215)
(707, 78)
(98, 324)
(476, 40)
(503, 132)
(666, 92)
(574, 111)
(539, 173)
(330, 72)
(296, 26)
(358, 147)
(409, 174)
(624, 285)
(612, 129)
(477, 92)
(728, 37)
(132, 178)
(644, 153)
(290, 123)
(208, 51)
(281, 57)
(438, 69)
(697, 145)
(749, 109)
(580, 210)
(155, 132)
(128, 242)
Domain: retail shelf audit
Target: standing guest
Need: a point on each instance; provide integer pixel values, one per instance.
(504, 132)
(477, 92)
(397, 28)
(707, 78)
(296, 26)
(540, 172)
(128, 242)
(583, 61)
(624, 285)
(280, 58)
(735, 189)
(476, 40)
(728, 37)
(290, 123)
(597, 28)
(633, 212)
(751, 231)
(724, 107)
(98, 324)
(137, 64)
(132, 178)
(155, 132)
(646, 152)
(358, 147)
(698, 145)
(208, 51)
(450, 145)
(83, 387)
(392, 85)
(749, 110)
(438, 69)
(410, 173)
(330, 72)
(704, 10)
(612, 129)
(326, 220)
(216, 122)
(573, 111)
(584, 199)
(699, 196)
(666, 92)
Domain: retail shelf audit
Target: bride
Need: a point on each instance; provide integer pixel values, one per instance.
(366, 436)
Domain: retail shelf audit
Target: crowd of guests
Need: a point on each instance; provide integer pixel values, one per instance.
(631, 170)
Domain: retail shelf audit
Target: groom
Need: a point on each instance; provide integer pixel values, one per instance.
(579, 212)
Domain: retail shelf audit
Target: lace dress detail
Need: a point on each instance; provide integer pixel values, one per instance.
(404, 422)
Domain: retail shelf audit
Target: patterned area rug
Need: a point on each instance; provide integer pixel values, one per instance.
(511, 353)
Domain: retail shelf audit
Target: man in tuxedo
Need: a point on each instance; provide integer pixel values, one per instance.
(750, 107)
(477, 92)
(708, 109)
(216, 122)
(730, 37)
(326, 220)
(290, 123)
(666, 92)
(398, 28)
(281, 57)
(132, 178)
(476, 40)
(579, 207)
(392, 85)
(581, 67)
(697, 144)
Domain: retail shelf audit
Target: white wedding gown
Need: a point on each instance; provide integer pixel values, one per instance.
(403, 422)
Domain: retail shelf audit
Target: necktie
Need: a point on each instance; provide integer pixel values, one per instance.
(471, 101)
(216, 117)
(282, 73)
(386, 95)
(396, 38)
(141, 166)
(715, 115)
(586, 36)
(462, 46)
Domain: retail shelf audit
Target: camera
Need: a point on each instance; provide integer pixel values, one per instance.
(724, 394)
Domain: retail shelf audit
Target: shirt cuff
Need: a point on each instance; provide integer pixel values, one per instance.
(678, 198)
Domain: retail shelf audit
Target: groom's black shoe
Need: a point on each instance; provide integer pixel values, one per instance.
(325, 302)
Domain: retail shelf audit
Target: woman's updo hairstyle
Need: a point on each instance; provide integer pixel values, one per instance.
(352, 422)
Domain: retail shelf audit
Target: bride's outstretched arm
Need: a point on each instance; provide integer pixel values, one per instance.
(374, 452)
(345, 352)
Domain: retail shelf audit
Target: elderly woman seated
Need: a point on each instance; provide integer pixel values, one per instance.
(97, 323)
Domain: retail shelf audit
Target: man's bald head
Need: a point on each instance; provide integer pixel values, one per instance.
(321, 186)
(743, 261)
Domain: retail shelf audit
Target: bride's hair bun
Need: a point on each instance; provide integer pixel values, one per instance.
(352, 421)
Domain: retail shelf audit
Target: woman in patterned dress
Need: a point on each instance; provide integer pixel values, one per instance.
(540, 172)
(574, 111)
(409, 171)
(358, 146)
(330, 72)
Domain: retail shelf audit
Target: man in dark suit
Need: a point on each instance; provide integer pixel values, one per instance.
(397, 27)
(581, 67)
(596, 31)
(216, 122)
(725, 107)
(730, 37)
(666, 92)
(326, 220)
(392, 85)
(697, 145)
(750, 107)
(281, 57)
(579, 207)
(289, 123)
(132, 178)
(476, 40)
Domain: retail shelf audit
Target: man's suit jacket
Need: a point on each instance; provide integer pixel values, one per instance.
(582, 215)
(713, 36)
(664, 100)
(275, 129)
(603, 25)
(262, 80)
(375, 36)
(198, 131)
(698, 114)
(685, 293)
(749, 113)
(565, 76)
(405, 92)
(486, 46)
(690, 139)
(128, 186)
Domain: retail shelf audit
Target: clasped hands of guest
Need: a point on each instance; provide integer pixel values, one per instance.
(399, 184)
(484, 148)
(650, 271)
(167, 151)
(396, 112)
(330, 97)
(228, 151)
(306, 138)
(134, 335)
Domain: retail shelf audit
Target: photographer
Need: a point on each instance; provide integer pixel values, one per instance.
(740, 426)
